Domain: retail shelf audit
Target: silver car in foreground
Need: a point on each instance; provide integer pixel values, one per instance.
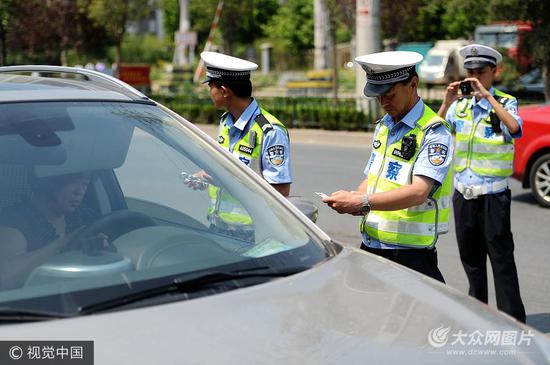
(101, 240)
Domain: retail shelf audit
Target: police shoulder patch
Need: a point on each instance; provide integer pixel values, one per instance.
(276, 154)
(376, 144)
(437, 153)
(221, 139)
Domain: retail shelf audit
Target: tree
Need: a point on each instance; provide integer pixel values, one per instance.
(42, 32)
(241, 22)
(115, 15)
(539, 14)
(536, 12)
(429, 25)
(6, 11)
(171, 18)
(291, 28)
(398, 17)
(461, 17)
(39, 31)
(342, 15)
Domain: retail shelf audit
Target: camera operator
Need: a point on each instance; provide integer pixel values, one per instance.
(485, 127)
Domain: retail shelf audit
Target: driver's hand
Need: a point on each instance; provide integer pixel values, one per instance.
(63, 241)
(96, 243)
(197, 181)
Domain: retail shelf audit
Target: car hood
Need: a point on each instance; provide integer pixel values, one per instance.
(352, 309)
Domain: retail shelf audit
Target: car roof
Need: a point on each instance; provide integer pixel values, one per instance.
(26, 95)
(28, 83)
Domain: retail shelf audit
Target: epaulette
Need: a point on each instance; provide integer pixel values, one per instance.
(501, 99)
(223, 117)
(263, 123)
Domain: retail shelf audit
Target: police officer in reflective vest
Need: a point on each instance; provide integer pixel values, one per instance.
(486, 122)
(405, 196)
(253, 135)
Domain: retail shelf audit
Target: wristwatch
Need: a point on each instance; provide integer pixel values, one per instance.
(365, 209)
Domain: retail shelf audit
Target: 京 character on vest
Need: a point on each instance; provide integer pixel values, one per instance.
(405, 196)
(249, 132)
(486, 121)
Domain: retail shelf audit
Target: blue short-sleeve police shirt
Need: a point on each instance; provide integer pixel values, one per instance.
(438, 137)
(481, 109)
(275, 155)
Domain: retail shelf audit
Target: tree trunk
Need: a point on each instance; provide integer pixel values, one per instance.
(63, 57)
(3, 50)
(546, 78)
(118, 55)
(334, 68)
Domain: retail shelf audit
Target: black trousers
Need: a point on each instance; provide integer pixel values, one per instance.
(483, 229)
(422, 260)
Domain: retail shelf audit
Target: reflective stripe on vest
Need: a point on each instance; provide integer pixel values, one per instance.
(478, 147)
(248, 150)
(417, 226)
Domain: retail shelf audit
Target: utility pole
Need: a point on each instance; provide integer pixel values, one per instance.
(367, 40)
(184, 53)
(322, 37)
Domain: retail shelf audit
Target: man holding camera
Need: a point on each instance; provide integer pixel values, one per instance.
(485, 127)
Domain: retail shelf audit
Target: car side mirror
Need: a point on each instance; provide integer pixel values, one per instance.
(305, 206)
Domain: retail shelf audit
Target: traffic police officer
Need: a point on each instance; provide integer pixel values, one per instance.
(485, 126)
(405, 196)
(253, 135)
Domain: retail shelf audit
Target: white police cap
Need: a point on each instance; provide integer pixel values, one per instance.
(385, 69)
(222, 67)
(479, 56)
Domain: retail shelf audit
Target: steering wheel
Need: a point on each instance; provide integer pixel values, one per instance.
(113, 225)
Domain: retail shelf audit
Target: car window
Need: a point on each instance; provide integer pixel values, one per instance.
(99, 194)
(488, 39)
(507, 40)
(434, 60)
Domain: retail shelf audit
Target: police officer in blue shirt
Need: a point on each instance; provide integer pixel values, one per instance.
(405, 196)
(486, 121)
(253, 135)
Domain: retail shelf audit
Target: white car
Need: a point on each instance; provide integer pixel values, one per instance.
(102, 241)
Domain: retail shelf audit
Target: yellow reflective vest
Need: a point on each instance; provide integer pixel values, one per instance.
(478, 146)
(417, 226)
(226, 211)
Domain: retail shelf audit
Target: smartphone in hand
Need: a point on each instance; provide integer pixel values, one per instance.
(322, 195)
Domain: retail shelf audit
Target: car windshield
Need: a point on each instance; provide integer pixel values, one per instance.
(101, 197)
(434, 60)
(508, 40)
(532, 77)
(497, 39)
(488, 39)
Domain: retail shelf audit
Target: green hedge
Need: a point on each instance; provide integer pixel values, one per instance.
(293, 112)
(323, 113)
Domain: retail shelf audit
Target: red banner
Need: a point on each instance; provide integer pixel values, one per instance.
(135, 75)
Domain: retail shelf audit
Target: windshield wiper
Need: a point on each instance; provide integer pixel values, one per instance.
(8, 314)
(189, 283)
